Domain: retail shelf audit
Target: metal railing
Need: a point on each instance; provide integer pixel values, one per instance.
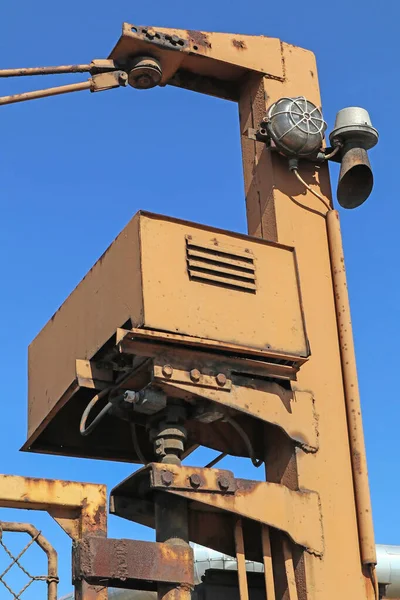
(51, 579)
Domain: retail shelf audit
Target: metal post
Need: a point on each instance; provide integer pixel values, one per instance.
(172, 527)
(171, 512)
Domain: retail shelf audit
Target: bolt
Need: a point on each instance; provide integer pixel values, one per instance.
(195, 375)
(123, 78)
(195, 480)
(167, 477)
(174, 39)
(221, 379)
(143, 81)
(167, 371)
(223, 483)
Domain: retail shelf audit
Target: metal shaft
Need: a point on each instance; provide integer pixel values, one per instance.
(45, 70)
(55, 91)
(171, 512)
(172, 527)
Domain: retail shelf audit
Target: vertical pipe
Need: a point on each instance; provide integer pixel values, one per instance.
(352, 394)
(267, 560)
(241, 561)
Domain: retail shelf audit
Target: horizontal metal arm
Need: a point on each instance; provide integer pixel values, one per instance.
(97, 83)
(96, 66)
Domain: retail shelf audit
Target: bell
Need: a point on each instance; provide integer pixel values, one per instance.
(354, 133)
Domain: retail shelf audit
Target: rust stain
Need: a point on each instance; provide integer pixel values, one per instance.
(239, 44)
(200, 39)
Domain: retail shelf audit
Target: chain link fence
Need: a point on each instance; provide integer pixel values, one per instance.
(50, 579)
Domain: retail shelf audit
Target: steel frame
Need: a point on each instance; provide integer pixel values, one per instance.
(79, 508)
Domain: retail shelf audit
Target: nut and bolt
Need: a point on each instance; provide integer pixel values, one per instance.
(195, 480)
(123, 78)
(223, 483)
(221, 379)
(167, 477)
(167, 371)
(195, 375)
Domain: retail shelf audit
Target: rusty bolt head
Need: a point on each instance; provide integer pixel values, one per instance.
(195, 480)
(167, 477)
(167, 371)
(195, 375)
(223, 483)
(221, 379)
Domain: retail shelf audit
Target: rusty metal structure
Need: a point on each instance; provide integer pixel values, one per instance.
(242, 344)
(36, 537)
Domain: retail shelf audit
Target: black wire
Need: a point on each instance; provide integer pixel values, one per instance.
(256, 462)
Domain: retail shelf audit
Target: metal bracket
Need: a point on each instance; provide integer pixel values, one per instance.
(292, 411)
(194, 377)
(131, 564)
(171, 477)
(88, 375)
(297, 513)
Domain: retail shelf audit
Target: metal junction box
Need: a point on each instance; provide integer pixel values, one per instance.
(161, 275)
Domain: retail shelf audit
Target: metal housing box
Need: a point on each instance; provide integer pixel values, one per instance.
(162, 274)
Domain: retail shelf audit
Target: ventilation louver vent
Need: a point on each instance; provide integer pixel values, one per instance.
(224, 266)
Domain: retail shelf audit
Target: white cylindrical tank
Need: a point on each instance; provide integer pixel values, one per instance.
(388, 569)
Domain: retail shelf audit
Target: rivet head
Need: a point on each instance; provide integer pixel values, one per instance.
(195, 375)
(167, 371)
(195, 480)
(221, 379)
(167, 477)
(223, 483)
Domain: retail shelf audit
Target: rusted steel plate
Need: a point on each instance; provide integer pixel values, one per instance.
(132, 564)
(216, 56)
(294, 412)
(297, 513)
(191, 478)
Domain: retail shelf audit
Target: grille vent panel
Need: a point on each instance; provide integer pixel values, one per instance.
(224, 266)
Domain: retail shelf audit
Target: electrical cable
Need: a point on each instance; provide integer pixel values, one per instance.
(136, 445)
(256, 462)
(316, 194)
(333, 153)
(85, 431)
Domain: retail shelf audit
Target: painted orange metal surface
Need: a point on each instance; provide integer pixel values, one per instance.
(79, 508)
(312, 516)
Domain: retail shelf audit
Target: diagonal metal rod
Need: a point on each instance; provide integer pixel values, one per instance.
(45, 70)
(55, 91)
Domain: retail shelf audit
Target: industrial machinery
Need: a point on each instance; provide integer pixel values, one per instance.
(184, 335)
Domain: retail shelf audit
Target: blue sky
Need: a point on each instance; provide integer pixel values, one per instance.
(74, 169)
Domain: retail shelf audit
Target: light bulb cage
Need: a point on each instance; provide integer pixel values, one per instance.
(296, 126)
